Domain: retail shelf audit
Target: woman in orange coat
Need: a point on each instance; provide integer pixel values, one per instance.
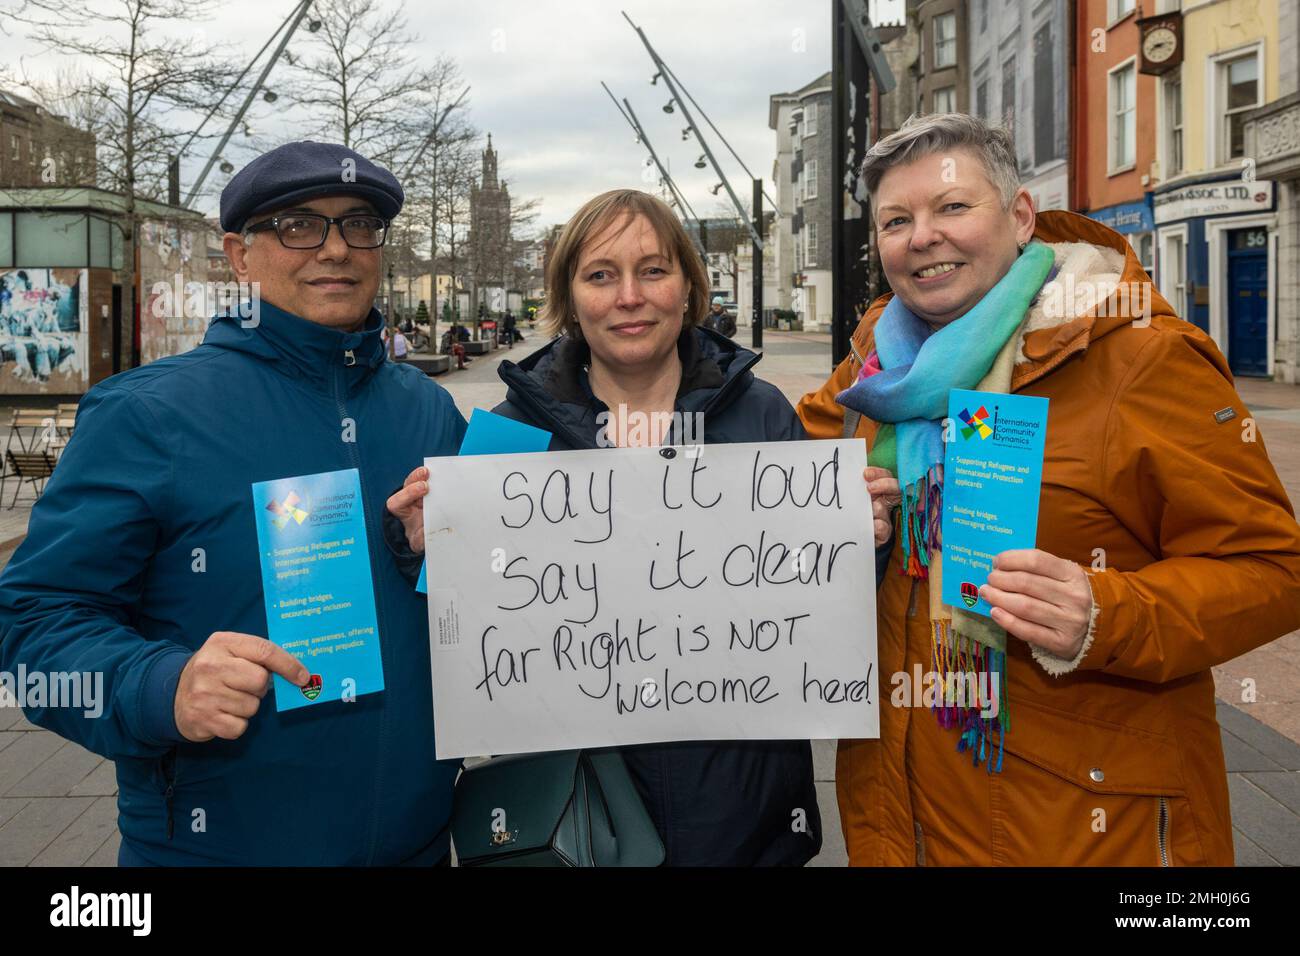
(1166, 543)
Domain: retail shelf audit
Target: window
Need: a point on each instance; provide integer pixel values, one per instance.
(1173, 127)
(810, 120)
(1173, 281)
(920, 53)
(1144, 245)
(1120, 8)
(1123, 118)
(15, 151)
(810, 256)
(1238, 92)
(810, 179)
(1044, 97)
(799, 241)
(945, 40)
(945, 100)
(982, 100)
(984, 16)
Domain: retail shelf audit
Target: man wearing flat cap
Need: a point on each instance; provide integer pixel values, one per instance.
(142, 561)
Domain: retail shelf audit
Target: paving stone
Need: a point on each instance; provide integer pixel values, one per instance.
(101, 782)
(823, 752)
(23, 756)
(11, 718)
(833, 852)
(106, 855)
(79, 842)
(56, 777)
(8, 736)
(36, 826)
(9, 807)
(1261, 738)
(1247, 853)
(1240, 756)
(1266, 822)
(1282, 787)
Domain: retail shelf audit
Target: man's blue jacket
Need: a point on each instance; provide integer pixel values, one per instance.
(144, 544)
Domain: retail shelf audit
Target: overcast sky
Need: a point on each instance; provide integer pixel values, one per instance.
(535, 66)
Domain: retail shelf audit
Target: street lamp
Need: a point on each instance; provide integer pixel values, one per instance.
(270, 96)
(668, 107)
(700, 163)
(227, 167)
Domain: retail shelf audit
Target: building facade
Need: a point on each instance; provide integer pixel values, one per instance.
(942, 73)
(1272, 136)
(65, 281)
(1018, 58)
(1216, 217)
(1114, 110)
(38, 148)
(801, 237)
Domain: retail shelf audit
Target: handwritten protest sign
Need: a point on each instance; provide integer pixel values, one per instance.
(622, 596)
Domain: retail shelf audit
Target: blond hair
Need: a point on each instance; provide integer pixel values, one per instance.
(557, 316)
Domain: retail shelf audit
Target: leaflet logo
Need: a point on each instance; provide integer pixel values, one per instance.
(975, 423)
(75, 908)
(290, 509)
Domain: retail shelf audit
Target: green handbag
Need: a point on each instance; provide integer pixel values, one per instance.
(564, 808)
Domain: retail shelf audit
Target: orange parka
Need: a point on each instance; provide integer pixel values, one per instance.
(1156, 482)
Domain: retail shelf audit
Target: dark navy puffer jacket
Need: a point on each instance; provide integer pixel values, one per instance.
(715, 803)
(145, 543)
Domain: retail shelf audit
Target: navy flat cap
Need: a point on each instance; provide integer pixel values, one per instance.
(296, 172)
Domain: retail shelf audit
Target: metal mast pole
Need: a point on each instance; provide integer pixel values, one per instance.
(248, 100)
(672, 89)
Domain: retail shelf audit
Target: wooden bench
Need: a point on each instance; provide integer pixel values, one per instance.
(430, 364)
(481, 347)
(32, 466)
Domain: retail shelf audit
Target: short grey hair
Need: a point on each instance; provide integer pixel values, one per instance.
(926, 135)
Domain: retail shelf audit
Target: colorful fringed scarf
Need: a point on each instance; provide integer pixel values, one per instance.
(904, 386)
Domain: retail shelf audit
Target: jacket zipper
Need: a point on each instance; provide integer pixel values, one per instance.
(355, 457)
(1162, 831)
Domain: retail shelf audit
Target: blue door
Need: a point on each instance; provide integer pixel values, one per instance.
(1248, 302)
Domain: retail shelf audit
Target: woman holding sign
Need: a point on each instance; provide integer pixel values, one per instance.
(1165, 542)
(632, 366)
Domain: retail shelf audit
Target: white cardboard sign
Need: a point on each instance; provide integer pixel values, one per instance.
(637, 595)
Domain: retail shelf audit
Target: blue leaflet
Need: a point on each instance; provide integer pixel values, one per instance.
(320, 599)
(992, 477)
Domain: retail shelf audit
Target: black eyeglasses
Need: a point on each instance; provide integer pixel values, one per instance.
(309, 231)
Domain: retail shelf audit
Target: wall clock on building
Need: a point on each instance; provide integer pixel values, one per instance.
(1162, 43)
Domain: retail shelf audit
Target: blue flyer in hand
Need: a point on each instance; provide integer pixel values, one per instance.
(320, 600)
(992, 476)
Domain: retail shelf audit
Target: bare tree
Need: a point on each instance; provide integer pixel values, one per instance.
(362, 84)
(148, 77)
